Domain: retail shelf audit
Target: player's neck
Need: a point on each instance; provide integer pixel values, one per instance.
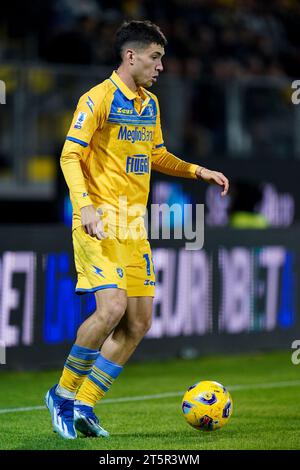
(127, 79)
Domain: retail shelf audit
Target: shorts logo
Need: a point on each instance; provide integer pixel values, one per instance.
(80, 120)
(98, 271)
(120, 272)
(149, 283)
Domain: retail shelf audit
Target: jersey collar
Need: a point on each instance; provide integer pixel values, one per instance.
(125, 90)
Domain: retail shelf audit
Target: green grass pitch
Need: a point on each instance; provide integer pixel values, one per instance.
(265, 388)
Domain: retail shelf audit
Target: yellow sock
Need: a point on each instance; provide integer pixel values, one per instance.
(89, 392)
(99, 381)
(77, 366)
(69, 380)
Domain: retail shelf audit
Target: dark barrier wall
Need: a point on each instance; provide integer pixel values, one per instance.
(239, 293)
(269, 187)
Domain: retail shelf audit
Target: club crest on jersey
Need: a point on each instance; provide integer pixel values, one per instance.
(150, 110)
(80, 120)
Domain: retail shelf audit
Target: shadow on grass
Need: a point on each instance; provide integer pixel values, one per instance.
(57, 443)
(140, 440)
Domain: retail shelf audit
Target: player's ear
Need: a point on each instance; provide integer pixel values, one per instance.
(130, 56)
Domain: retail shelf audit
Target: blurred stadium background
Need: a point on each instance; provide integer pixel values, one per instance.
(226, 103)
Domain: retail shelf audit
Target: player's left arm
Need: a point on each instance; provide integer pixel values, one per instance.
(165, 162)
(213, 177)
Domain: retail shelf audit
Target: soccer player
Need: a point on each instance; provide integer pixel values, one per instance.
(114, 141)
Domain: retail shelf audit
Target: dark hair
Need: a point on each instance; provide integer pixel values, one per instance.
(143, 33)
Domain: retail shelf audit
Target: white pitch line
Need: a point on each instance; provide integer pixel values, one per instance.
(291, 383)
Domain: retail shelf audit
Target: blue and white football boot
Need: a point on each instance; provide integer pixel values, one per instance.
(87, 422)
(62, 414)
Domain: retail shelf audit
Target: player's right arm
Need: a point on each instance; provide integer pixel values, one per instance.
(90, 114)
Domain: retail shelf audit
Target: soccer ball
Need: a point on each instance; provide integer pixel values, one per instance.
(207, 405)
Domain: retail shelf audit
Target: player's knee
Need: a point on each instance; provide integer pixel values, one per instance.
(147, 324)
(116, 308)
(140, 328)
(110, 314)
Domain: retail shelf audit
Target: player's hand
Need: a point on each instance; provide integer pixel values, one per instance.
(91, 222)
(213, 177)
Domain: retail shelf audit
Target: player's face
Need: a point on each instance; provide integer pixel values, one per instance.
(147, 65)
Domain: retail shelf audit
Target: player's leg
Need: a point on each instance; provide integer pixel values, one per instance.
(122, 342)
(115, 352)
(119, 346)
(96, 273)
(111, 305)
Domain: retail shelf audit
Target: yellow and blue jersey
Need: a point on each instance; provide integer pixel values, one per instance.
(114, 141)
